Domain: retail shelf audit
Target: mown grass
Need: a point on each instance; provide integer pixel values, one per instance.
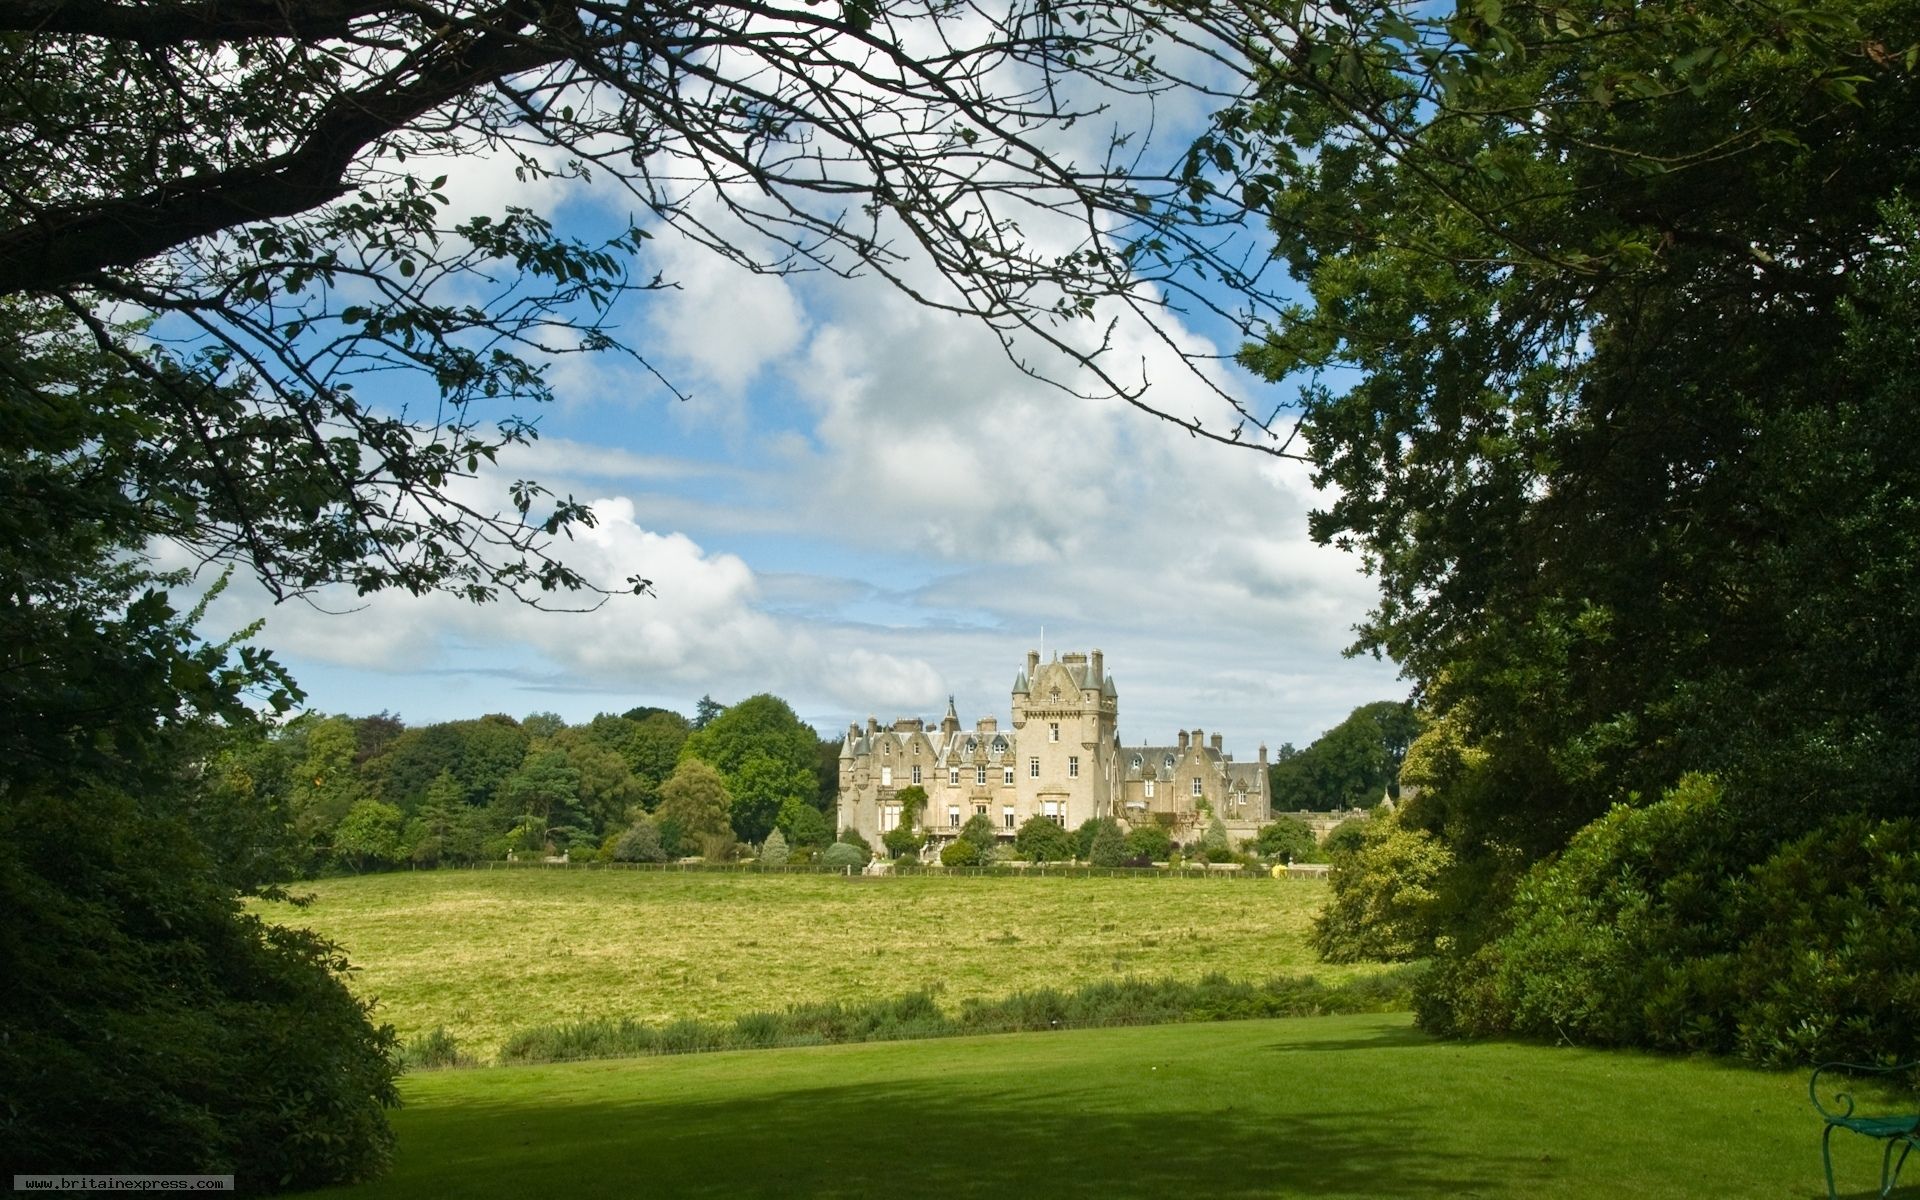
(1345, 1106)
(486, 953)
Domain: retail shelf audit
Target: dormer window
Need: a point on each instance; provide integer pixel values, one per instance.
(1136, 762)
(1167, 762)
(1054, 695)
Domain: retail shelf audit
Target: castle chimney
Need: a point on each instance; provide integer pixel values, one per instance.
(1183, 741)
(873, 725)
(1216, 743)
(1199, 738)
(1033, 663)
(1098, 665)
(1263, 754)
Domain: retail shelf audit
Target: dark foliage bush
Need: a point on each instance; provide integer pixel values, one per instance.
(1040, 840)
(1287, 839)
(960, 853)
(1677, 926)
(152, 1027)
(1149, 842)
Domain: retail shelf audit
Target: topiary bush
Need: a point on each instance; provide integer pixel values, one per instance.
(773, 851)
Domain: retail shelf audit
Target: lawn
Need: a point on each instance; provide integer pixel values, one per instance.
(485, 953)
(1324, 1107)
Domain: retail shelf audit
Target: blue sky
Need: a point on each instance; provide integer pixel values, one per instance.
(863, 507)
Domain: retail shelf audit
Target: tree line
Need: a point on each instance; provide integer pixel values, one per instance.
(368, 793)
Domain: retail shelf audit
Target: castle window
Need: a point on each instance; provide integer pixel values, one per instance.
(1033, 768)
(980, 777)
(916, 749)
(1006, 816)
(916, 773)
(889, 818)
(1051, 811)
(1167, 762)
(998, 748)
(953, 816)
(1054, 695)
(1196, 785)
(1008, 773)
(1149, 789)
(979, 810)
(1136, 762)
(953, 776)
(1053, 731)
(973, 744)
(886, 776)
(1073, 766)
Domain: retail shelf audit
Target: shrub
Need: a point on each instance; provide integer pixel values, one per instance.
(1213, 843)
(809, 827)
(1108, 848)
(434, 1049)
(640, 843)
(1149, 842)
(980, 830)
(1383, 902)
(1287, 839)
(852, 838)
(1657, 927)
(719, 846)
(844, 854)
(773, 851)
(902, 841)
(960, 853)
(1040, 840)
(1346, 837)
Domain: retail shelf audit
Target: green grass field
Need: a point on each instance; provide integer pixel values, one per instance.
(485, 953)
(1324, 1107)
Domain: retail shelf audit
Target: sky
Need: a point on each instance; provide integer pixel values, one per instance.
(862, 506)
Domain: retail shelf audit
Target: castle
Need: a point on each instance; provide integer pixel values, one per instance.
(1060, 758)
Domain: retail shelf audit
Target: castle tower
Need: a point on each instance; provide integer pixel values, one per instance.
(1066, 712)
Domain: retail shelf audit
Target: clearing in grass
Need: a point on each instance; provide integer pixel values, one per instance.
(488, 953)
(1358, 1106)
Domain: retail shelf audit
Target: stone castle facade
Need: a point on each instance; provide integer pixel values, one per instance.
(1060, 757)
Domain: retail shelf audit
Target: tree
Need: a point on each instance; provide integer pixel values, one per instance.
(641, 842)
(695, 799)
(150, 1021)
(805, 825)
(1040, 840)
(1108, 848)
(903, 840)
(1287, 839)
(706, 711)
(651, 746)
(1353, 765)
(1619, 305)
(1151, 842)
(269, 183)
(761, 789)
(981, 831)
(369, 836)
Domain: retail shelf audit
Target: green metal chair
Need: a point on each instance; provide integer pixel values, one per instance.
(1900, 1132)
